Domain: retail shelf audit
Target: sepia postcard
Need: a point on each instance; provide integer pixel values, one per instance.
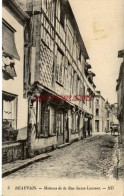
(62, 98)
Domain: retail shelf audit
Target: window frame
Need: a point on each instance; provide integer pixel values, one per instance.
(60, 68)
(15, 107)
(44, 108)
(97, 112)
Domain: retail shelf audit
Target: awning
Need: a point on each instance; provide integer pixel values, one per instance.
(8, 40)
(8, 97)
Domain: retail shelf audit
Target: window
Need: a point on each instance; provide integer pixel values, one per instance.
(97, 101)
(77, 123)
(59, 68)
(69, 38)
(84, 90)
(59, 122)
(44, 5)
(78, 52)
(9, 113)
(107, 114)
(86, 96)
(58, 9)
(62, 17)
(45, 118)
(73, 87)
(52, 121)
(80, 56)
(65, 78)
(97, 112)
(69, 78)
(47, 126)
(74, 51)
(75, 83)
(78, 86)
(73, 122)
(90, 103)
(81, 92)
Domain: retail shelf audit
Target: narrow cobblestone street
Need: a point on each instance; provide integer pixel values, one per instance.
(94, 157)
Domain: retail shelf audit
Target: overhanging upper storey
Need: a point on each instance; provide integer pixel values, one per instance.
(121, 54)
(65, 5)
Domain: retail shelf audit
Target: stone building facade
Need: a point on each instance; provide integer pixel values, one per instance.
(109, 116)
(120, 96)
(99, 119)
(14, 105)
(114, 113)
(105, 114)
(56, 76)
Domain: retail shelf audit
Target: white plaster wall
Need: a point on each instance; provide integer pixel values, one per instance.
(37, 144)
(16, 86)
(74, 136)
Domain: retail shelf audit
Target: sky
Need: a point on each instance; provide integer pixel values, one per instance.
(101, 24)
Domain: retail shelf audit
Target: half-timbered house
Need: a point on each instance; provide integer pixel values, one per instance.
(56, 76)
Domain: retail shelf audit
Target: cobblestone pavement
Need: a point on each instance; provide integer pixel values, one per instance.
(93, 157)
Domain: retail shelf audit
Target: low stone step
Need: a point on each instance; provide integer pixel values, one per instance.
(63, 145)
